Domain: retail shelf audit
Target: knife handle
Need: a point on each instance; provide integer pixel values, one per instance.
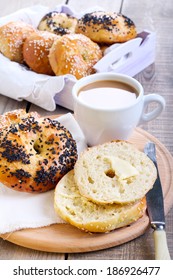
(161, 247)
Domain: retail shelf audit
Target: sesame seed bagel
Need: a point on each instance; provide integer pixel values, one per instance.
(35, 153)
(77, 210)
(36, 50)
(114, 172)
(58, 23)
(106, 28)
(12, 36)
(74, 54)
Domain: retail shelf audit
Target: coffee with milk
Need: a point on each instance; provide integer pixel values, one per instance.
(107, 94)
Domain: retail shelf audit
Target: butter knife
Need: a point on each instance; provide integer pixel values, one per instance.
(155, 208)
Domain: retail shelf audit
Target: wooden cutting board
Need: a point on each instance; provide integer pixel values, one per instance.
(64, 238)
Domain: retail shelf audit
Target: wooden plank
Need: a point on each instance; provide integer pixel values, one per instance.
(10, 251)
(107, 5)
(8, 104)
(13, 6)
(58, 111)
(157, 78)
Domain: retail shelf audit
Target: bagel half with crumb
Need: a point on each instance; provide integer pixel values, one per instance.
(77, 210)
(35, 153)
(114, 172)
(36, 50)
(106, 27)
(12, 37)
(74, 54)
(58, 23)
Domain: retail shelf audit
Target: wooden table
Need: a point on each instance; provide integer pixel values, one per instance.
(158, 77)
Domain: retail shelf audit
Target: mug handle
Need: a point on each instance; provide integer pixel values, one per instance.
(146, 117)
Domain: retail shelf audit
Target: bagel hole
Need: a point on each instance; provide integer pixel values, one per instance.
(110, 173)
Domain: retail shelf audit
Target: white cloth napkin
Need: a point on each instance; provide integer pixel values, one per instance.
(24, 210)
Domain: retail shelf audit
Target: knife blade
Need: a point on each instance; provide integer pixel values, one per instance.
(155, 208)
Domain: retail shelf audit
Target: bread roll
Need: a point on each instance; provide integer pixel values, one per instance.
(114, 172)
(36, 50)
(12, 36)
(77, 210)
(74, 54)
(106, 27)
(58, 23)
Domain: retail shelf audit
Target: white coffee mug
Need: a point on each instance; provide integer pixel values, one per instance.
(100, 125)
